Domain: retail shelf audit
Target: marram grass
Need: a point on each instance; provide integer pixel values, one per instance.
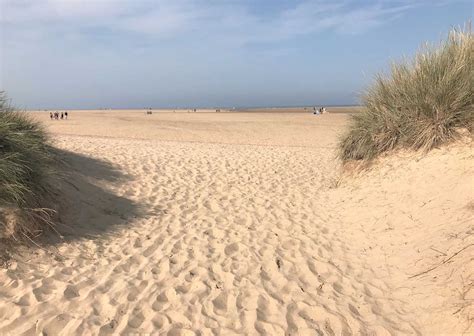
(25, 164)
(421, 104)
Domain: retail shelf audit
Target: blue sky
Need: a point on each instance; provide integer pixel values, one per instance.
(195, 53)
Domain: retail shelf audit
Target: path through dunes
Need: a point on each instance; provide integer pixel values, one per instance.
(239, 239)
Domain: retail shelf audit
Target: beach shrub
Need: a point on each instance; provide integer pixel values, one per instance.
(25, 164)
(422, 103)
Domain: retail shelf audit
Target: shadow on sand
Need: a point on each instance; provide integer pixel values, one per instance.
(86, 204)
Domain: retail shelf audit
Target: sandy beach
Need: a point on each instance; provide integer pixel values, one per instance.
(243, 224)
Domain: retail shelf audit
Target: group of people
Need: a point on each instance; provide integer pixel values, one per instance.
(319, 110)
(56, 115)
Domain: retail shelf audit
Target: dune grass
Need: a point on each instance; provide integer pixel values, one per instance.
(25, 164)
(421, 104)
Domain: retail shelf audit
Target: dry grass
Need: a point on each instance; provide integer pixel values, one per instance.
(25, 165)
(421, 104)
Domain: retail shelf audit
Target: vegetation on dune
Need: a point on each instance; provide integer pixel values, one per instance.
(25, 164)
(422, 103)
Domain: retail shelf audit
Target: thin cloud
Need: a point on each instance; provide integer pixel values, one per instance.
(169, 18)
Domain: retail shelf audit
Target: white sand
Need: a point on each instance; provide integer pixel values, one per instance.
(238, 223)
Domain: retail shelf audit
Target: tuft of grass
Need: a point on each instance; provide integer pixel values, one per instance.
(25, 164)
(421, 104)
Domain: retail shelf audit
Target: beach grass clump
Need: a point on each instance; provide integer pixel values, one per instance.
(420, 104)
(25, 164)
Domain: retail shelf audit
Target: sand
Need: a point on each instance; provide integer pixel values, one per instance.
(241, 223)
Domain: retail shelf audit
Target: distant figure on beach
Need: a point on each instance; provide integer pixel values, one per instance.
(51, 115)
(65, 115)
(62, 115)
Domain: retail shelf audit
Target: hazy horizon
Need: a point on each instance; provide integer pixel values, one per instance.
(58, 54)
(180, 108)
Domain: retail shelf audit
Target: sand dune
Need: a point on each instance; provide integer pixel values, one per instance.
(223, 224)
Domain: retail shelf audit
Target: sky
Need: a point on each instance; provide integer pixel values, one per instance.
(195, 53)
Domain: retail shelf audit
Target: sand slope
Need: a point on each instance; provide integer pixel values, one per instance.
(182, 238)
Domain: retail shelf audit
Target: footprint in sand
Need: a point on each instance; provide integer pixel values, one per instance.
(71, 292)
(231, 249)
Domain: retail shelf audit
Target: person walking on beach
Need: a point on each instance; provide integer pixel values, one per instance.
(62, 115)
(51, 115)
(65, 115)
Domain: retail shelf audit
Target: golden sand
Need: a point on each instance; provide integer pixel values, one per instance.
(240, 223)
